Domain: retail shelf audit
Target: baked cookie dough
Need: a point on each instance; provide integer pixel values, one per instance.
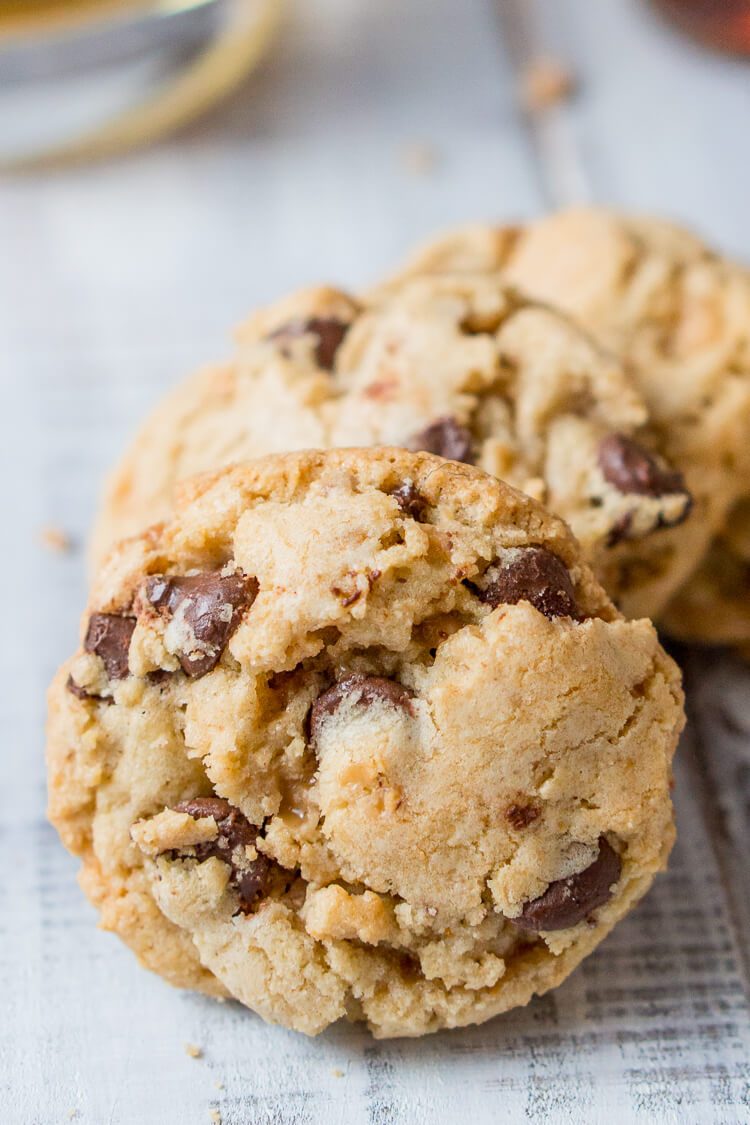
(714, 606)
(356, 734)
(679, 315)
(459, 365)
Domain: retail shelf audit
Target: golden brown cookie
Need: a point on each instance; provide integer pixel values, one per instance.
(357, 735)
(461, 366)
(679, 315)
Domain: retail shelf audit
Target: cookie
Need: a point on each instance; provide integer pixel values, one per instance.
(714, 606)
(356, 734)
(679, 315)
(457, 365)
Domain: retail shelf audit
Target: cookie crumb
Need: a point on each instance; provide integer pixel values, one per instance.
(55, 539)
(546, 82)
(215, 1116)
(193, 1050)
(419, 158)
(337, 1072)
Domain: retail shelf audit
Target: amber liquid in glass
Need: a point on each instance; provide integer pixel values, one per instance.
(34, 15)
(724, 24)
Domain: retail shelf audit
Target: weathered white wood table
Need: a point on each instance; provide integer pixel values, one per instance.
(115, 280)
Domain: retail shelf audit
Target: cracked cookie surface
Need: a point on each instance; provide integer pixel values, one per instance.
(358, 735)
(457, 365)
(679, 315)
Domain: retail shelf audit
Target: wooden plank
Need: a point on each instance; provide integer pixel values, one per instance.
(113, 282)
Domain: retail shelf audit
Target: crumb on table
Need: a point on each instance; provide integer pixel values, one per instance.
(54, 539)
(546, 82)
(193, 1050)
(419, 158)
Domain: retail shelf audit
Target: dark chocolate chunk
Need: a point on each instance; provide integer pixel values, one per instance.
(210, 605)
(630, 468)
(447, 438)
(328, 332)
(250, 877)
(108, 636)
(364, 691)
(228, 818)
(567, 902)
(253, 881)
(522, 815)
(158, 676)
(531, 574)
(620, 529)
(410, 500)
(79, 692)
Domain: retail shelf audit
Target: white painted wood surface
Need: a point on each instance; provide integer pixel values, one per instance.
(115, 280)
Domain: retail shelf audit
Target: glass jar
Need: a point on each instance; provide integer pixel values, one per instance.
(81, 78)
(724, 24)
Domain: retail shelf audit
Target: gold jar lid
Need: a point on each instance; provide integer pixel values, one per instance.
(89, 78)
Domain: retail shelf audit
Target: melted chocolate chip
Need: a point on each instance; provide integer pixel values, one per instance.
(79, 692)
(521, 816)
(681, 516)
(531, 574)
(620, 529)
(629, 467)
(210, 605)
(362, 690)
(250, 877)
(158, 676)
(253, 882)
(217, 807)
(447, 438)
(108, 636)
(410, 500)
(328, 332)
(569, 901)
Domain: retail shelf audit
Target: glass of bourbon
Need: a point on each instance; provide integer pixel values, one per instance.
(83, 78)
(723, 24)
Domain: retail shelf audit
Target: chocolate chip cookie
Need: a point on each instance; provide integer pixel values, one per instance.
(357, 734)
(679, 315)
(714, 606)
(458, 365)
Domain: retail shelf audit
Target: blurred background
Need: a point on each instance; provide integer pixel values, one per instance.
(361, 127)
(351, 130)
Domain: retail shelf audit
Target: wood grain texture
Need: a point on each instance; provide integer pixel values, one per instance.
(114, 280)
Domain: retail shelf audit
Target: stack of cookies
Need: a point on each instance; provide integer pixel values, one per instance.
(380, 728)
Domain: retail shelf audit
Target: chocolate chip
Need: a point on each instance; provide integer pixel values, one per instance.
(253, 882)
(210, 605)
(410, 500)
(250, 877)
(567, 902)
(521, 816)
(531, 574)
(217, 807)
(628, 467)
(447, 438)
(620, 529)
(158, 676)
(108, 636)
(79, 692)
(328, 332)
(362, 690)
